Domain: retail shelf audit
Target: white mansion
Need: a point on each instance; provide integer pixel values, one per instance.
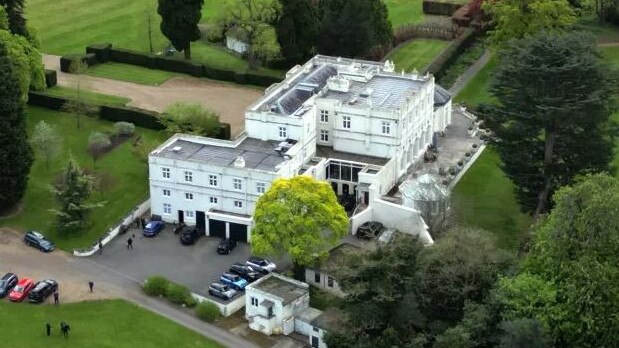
(356, 124)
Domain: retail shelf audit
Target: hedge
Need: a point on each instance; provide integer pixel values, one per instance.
(66, 61)
(156, 286)
(451, 53)
(105, 52)
(101, 51)
(207, 311)
(179, 294)
(46, 101)
(139, 117)
(51, 78)
(440, 8)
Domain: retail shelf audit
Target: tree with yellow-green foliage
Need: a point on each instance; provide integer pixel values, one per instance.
(516, 19)
(299, 216)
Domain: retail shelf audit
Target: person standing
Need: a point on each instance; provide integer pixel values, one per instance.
(56, 296)
(129, 244)
(100, 248)
(143, 222)
(48, 328)
(91, 285)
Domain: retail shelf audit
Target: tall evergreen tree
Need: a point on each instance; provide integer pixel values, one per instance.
(16, 155)
(297, 30)
(179, 22)
(15, 12)
(351, 28)
(72, 194)
(551, 123)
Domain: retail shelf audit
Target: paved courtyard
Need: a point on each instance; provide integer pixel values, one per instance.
(195, 266)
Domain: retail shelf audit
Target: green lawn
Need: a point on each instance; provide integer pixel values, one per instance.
(131, 73)
(123, 179)
(87, 96)
(416, 54)
(476, 91)
(68, 26)
(484, 198)
(405, 12)
(111, 323)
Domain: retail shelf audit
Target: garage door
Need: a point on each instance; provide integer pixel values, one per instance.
(217, 228)
(238, 232)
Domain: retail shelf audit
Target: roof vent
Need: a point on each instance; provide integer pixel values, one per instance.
(239, 162)
(273, 108)
(177, 148)
(366, 93)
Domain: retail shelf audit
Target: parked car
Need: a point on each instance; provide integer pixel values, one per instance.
(369, 229)
(245, 272)
(225, 246)
(7, 283)
(222, 291)
(261, 264)
(21, 290)
(37, 240)
(42, 290)
(152, 228)
(234, 281)
(189, 235)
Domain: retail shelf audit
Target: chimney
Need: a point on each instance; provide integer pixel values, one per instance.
(239, 162)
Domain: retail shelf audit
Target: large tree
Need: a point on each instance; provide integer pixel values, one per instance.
(570, 280)
(516, 19)
(297, 30)
(351, 28)
(462, 266)
(15, 13)
(551, 123)
(73, 194)
(256, 19)
(381, 307)
(16, 155)
(179, 22)
(299, 216)
(27, 60)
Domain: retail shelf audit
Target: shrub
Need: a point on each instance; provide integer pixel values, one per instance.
(156, 286)
(124, 128)
(467, 154)
(207, 311)
(475, 146)
(460, 163)
(51, 79)
(101, 51)
(98, 144)
(191, 118)
(179, 294)
(46, 101)
(453, 170)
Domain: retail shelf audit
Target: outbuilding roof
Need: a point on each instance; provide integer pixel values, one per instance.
(285, 288)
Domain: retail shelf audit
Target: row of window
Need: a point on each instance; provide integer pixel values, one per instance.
(213, 200)
(167, 207)
(212, 181)
(324, 118)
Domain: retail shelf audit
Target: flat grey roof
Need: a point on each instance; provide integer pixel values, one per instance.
(258, 154)
(329, 153)
(388, 91)
(282, 288)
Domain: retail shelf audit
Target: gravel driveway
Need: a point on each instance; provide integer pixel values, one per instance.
(227, 99)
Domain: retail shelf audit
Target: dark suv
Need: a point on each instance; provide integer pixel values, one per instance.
(369, 230)
(37, 240)
(189, 235)
(245, 272)
(7, 283)
(42, 290)
(225, 246)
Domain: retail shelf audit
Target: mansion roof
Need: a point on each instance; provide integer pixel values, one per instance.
(257, 154)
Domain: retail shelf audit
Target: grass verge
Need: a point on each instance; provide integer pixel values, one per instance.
(477, 90)
(122, 175)
(87, 96)
(110, 323)
(416, 54)
(131, 73)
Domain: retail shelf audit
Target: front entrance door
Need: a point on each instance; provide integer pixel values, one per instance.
(315, 342)
(181, 217)
(201, 221)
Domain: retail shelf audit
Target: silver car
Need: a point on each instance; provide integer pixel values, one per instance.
(222, 291)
